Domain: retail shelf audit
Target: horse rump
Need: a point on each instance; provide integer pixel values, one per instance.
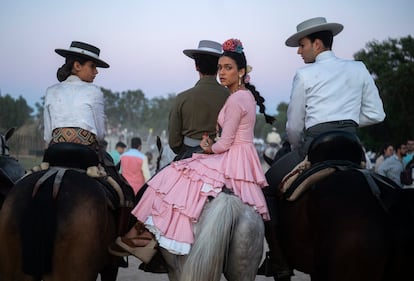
(59, 232)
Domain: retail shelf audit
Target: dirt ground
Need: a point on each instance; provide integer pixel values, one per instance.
(132, 273)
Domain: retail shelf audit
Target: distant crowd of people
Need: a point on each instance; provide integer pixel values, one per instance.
(393, 159)
(134, 165)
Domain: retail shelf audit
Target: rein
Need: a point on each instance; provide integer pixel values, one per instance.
(59, 172)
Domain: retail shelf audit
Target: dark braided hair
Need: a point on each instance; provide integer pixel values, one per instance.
(241, 62)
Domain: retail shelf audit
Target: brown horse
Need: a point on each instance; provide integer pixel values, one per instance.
(351, 225)
(10, 168)
(58, 225)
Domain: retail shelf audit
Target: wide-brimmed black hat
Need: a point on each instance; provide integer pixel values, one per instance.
(85, 50)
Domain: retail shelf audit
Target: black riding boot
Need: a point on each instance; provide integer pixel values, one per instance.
(275, 263)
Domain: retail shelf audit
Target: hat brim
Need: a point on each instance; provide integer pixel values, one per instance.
(293, 41)
(192, 52)
(67, 53)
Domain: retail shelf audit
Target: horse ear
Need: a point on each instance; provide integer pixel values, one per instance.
(9, 133)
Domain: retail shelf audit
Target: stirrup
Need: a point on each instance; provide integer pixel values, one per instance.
(145, 253)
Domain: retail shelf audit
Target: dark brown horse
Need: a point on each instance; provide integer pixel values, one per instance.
(10, 168)
(58, 225)
(343, 228)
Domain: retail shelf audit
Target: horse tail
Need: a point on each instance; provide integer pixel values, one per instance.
(208, 254)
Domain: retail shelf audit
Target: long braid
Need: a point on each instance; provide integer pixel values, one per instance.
(260, 102)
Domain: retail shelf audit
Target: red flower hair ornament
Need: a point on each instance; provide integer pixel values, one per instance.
(233, 45)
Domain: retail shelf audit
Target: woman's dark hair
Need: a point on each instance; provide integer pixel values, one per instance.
(384, 147)
(325, 36)
(206, 64)
(66, 69)
(241, 62)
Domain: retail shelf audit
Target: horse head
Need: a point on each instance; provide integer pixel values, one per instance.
(10, 169)
(4, 139)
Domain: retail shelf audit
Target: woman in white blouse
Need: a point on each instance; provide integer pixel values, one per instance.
(74, 108)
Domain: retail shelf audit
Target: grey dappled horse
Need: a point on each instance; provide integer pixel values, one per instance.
(228, 239)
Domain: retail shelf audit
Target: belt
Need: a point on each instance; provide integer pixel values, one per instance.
(191, 142)
(346, 125)
(342, 122)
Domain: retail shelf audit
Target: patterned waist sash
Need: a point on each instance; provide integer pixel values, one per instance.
(74, 135)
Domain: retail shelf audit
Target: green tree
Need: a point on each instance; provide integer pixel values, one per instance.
(157, 114)
(281, 117)
(261, 129)
(13, 112)
(113, 112)
(391, 63)
(125, 109)
(132, 110)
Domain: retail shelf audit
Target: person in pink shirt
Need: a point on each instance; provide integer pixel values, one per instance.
(175, 197)
(134, 165)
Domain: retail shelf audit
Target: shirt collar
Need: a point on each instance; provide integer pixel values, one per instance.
(73, 78)
(207, 79)
(396, 157)
(325, 56)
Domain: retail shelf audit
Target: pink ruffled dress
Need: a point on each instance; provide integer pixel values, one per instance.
(176, 195)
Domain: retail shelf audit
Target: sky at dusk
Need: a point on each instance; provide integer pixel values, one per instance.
(143, 40)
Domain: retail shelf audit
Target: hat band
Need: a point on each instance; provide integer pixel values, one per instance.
(207, 49)
(83, 51)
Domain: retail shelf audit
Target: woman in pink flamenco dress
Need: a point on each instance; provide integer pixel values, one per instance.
(175, 197)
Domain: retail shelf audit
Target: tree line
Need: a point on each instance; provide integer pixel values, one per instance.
(391, 63)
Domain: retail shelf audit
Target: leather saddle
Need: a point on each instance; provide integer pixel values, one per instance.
(336, 145)
(71, 155)
(66, 155)
(330, 152)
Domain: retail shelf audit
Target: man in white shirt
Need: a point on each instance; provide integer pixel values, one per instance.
(328, 94)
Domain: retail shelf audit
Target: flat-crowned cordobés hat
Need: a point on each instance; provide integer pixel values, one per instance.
(205, 47)
(85, 50)
(311, 26)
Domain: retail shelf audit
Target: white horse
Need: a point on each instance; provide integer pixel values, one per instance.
(229, 239)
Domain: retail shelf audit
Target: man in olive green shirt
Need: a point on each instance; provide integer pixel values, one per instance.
(195, 110)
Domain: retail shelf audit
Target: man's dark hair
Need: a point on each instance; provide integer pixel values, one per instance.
(120, 144)
(325, 36)
(136, 142)
(399, 145)
(206, 64)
